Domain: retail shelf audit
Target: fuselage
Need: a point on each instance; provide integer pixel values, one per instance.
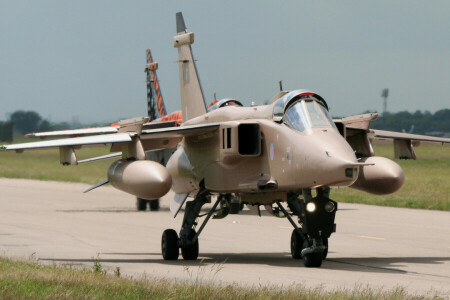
(252, 153)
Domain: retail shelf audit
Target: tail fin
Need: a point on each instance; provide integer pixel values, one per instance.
(192, 99)
(153, 89)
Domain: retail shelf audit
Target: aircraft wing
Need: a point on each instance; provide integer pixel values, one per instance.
(94, 140)
(131, 144)
(181, 131)
(404, 143)
(383, 134)
(166, 138)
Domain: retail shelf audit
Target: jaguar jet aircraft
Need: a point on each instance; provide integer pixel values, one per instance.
(284, 156)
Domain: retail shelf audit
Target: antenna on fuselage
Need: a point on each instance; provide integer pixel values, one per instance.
(281, 85)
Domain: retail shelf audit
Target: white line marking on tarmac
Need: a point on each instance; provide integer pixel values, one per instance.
(372, 237)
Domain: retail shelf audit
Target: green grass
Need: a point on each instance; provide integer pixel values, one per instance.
(44, 165)
(29, 280)
(427, 183)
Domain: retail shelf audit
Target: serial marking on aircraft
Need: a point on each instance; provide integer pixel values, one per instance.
(227, 153)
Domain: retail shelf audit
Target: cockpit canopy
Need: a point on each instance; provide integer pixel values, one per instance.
(222, 103)
(302, 109)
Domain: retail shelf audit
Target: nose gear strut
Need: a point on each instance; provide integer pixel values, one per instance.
(316, 218)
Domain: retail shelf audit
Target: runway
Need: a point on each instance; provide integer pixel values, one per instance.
(375, 246)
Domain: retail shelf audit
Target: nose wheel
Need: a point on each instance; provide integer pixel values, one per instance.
(296, 244)
(312, 259)
(190, 251)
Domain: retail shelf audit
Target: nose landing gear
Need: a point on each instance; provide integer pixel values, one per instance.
(316, 217)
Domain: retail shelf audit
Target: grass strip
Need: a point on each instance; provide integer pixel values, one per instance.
(30, 280)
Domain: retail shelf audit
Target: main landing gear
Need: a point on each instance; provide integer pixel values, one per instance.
(316, 217)
(188, 239)
(308, 242)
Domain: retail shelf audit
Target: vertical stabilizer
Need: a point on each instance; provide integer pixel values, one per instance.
(192, 99)
(153, 89)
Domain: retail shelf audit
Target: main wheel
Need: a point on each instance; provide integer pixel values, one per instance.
(311, 260)
(296, 245)
(141, 204)
(235, 208)
(169, 245)
(154, 204)
(190, 252)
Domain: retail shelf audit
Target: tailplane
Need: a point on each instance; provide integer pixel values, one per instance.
(192, 99)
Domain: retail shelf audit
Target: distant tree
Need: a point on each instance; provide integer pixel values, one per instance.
(25, 121)
(45, 126)
(6, 131)
(422, 123)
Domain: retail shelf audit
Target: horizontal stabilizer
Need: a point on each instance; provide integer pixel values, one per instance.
(74, 132)
(103, 182)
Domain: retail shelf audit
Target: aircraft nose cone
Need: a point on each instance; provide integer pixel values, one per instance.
(330, 157)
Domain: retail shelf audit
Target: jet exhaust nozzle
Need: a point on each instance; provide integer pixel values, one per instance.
(143, 178)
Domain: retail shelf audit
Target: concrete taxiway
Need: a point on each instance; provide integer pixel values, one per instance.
(375, 246)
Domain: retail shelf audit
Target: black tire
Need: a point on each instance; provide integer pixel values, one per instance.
(169, 245)
(235, 208)
(190, 252)
(311, 260)
(296, 245)
(325, 252)
(153, 204)
(241, 206)
(141, 204)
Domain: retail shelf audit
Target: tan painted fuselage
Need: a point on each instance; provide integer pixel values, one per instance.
(287, 160)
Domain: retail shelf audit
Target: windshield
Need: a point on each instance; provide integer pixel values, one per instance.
(317, 115)
(296, 116)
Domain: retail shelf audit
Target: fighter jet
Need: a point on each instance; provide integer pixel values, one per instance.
(284, 156)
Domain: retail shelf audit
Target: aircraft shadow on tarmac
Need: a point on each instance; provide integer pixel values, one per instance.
(283, 259)
(108, 210)
(244, 212)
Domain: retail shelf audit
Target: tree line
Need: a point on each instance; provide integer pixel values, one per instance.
(417, 122)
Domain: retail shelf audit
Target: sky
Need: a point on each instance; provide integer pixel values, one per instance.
(84, 60)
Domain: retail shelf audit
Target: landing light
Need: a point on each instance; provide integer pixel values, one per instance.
(311, 207)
